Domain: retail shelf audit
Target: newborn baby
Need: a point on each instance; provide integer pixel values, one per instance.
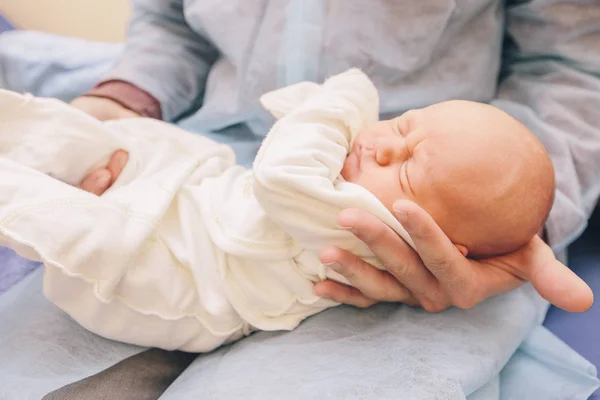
(189, 251)
(483, 176)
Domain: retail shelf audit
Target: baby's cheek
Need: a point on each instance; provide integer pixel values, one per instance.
(389, 193)
(348, 169)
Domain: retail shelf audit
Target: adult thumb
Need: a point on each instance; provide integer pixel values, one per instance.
(559, 285)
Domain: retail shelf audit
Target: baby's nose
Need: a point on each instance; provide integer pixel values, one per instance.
(389, 151)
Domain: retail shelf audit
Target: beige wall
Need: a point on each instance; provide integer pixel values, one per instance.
(103, 20)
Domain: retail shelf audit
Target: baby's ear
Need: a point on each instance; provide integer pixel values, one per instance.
(282, 101)
(463, 249)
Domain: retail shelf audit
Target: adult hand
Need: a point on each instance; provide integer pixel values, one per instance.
(438, 275)
(99, 180)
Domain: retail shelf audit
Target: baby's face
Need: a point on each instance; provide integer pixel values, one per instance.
(460, 161)
(383, 160)
(394, 160)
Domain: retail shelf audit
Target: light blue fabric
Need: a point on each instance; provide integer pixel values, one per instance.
(13, 269)
(384, 352)
(52, 66)
(42, 349)
(580, 331)
(546, 358)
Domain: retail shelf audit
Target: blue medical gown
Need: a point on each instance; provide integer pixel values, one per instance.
(208, 62)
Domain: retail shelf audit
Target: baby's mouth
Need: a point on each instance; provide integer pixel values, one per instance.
(358, 155)
(358, 158)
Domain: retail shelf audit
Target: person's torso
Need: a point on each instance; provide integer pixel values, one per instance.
(417, 53)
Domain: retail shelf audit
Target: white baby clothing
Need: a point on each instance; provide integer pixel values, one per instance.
(186, 250)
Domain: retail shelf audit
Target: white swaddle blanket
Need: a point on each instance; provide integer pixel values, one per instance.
(187, 250)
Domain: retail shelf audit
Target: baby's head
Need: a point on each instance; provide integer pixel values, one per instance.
(481, 174)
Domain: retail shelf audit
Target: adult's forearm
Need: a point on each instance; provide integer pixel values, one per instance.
(129, 96)
(164, 57)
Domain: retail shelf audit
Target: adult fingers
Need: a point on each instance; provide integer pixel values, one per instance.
(450, 267)
(117, 163)
(553, 280)
(373, 283)
(97, 181)
(343, 294)
(399, 259)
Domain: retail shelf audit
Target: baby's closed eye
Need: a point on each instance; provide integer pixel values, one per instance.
(405, 178)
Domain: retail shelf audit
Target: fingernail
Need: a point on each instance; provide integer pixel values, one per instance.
(122, 159)
(320, 293)
(103, 179)
(401, 215)
(336, 266)
(348, 228)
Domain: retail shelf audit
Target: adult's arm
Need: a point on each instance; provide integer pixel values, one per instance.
(160, 74)
(164, 61)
